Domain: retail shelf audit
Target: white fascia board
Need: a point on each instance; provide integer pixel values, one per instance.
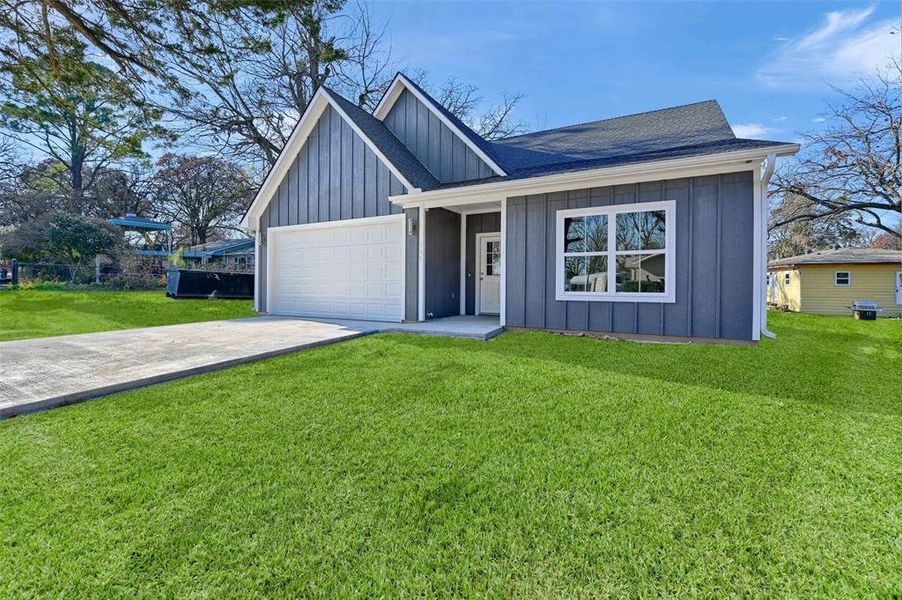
(389, 98)
(399, 84)
(693, 166)
(296, 141)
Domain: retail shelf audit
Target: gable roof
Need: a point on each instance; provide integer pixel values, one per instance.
(841, 256)
(385, 140)
(476, 143)
(392, 153)
(623, 160)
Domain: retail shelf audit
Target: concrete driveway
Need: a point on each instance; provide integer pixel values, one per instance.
(46, 372)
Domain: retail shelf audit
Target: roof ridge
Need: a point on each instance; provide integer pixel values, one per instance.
(637, 114)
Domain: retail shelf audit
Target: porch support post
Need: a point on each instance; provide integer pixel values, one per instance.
(421, 267)
(463, 263)
(503, 316)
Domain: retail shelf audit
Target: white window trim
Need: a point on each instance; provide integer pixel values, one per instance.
(669, 208)
(787, 278)
(848, 276)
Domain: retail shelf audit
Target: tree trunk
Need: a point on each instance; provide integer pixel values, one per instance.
(77, 165)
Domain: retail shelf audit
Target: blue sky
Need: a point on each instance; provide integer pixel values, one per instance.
(769, 64)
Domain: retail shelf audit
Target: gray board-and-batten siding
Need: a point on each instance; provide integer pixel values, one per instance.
(440, 150)
(334, 177)
(714, 252)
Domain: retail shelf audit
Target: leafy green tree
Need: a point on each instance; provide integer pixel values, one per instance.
(142, 37)
(74, 240)
(83, 119)
(78, 240)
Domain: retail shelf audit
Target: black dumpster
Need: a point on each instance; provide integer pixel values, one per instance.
(865, 310)
(195, 283)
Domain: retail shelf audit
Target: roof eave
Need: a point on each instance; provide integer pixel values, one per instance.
(641, 171)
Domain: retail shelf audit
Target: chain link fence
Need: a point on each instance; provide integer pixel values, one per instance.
(130, 273)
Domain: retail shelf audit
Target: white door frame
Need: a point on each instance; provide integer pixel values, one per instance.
(272, 232)
(898, 283)
(478, 261)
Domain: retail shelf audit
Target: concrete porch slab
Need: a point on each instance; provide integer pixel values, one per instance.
(464, 326)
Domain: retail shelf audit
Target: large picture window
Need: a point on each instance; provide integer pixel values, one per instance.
(622, 252)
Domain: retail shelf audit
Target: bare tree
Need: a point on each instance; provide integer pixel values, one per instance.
(205, 196)
(887, 241)
(248, 98)
(854, 166)
(10, 163)
(367, 69)
(497, 123)
(463, 101)
(801, 236)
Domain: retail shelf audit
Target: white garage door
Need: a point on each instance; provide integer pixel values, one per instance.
(345, 269)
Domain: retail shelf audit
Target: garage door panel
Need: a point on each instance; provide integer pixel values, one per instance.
(354, 269)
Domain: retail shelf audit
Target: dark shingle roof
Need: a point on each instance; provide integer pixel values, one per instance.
(619, 160)
(683, 131)
(219, 246)
(678, 127)
(395, 151)
(842, 256)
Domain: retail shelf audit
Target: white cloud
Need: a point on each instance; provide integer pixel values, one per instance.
(847, 45)
(818, 120)
(750, 130)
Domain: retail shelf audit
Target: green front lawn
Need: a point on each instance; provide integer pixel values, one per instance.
(531, 465)
(31, 313)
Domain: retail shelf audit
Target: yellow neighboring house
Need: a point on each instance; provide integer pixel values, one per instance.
(827, 282)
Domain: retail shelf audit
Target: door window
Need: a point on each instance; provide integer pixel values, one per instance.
(493, 257)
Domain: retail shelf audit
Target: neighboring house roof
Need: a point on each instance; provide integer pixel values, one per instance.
(134, 221)
(385, 140)
(219, 248)
(842, 256)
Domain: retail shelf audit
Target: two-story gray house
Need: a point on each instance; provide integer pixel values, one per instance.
(648, 225)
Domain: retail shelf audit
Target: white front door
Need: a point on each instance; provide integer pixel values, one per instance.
(899, 288)
(488, 290)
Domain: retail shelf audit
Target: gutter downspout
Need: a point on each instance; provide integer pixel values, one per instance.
(765, 216)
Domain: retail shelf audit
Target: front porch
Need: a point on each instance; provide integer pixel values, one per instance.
(479, 327)
(461, 262)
